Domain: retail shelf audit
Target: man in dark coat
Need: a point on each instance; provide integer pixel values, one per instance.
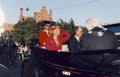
(97, 38)
(74, 41)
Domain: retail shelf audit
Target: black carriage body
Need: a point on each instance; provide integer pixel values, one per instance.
(45, 63)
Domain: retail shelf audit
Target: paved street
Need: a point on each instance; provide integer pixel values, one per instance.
(15, 70)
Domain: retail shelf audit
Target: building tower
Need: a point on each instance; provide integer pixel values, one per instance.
(21, 14)
(42, 15)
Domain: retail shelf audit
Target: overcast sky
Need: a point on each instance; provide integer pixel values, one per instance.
(107, 11)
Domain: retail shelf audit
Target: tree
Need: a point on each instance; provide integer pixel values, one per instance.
(5, 34)
(70, 26)
(26, 30)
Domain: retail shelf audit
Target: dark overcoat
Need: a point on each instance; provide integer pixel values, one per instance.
(99, 39)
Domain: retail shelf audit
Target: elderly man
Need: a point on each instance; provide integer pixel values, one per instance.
(98, 37)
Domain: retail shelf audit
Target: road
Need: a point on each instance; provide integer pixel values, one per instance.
(15, 69)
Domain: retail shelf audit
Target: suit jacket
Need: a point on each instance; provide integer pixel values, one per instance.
(73, 45)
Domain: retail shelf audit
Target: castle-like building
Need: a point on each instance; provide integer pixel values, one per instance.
(22, 17)
(43, 15)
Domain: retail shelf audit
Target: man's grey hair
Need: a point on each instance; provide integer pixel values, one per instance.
(92, 23)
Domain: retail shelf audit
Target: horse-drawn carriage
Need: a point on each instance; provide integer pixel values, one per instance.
(100, 63)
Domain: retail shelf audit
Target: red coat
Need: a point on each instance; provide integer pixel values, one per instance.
(51, 45)
(43, 35)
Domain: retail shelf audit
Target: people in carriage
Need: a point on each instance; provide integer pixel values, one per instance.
(57, 37)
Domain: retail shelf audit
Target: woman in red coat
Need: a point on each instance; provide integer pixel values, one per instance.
(57, 37)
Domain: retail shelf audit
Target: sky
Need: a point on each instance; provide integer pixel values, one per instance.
(106, 11)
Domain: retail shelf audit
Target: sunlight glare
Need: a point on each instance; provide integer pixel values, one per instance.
(2, 17)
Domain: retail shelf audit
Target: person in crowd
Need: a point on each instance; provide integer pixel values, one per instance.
(57, 37)
(43, 35)
(11, 50)
(74, 41)
(98, 37)
(20, 52)
(26, 52)
(2, 48)
(9, 41)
